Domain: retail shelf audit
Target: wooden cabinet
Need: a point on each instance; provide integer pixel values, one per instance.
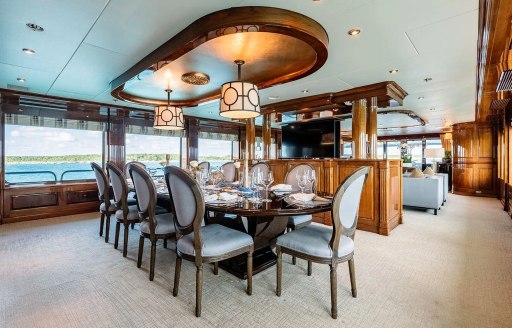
(474, 159)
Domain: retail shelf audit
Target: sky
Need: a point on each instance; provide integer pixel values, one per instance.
(39, 141)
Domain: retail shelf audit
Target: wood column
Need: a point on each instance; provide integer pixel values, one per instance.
(371, 128)
(193, 140)
(116, 137)
(267, 135)
(359, 129)
(250, 138)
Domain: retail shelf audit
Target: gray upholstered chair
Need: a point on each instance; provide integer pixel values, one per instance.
(229, 171)
(107, 206)
(201, 244)
(152, 226)
(298, 221)
(263, 167)
(126, 214)
(204, 166)
(328, 245)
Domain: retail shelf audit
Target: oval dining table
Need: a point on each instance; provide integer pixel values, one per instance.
(264, 222)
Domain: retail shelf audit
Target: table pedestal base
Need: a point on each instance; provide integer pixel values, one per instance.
(262, 259)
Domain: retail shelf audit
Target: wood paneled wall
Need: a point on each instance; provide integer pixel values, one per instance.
(475, 159)
(380, 209)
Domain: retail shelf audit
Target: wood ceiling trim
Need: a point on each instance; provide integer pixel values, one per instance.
(384, 91)
(224, 22)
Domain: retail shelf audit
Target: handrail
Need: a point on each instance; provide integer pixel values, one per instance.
(72, 171)
(34, 172)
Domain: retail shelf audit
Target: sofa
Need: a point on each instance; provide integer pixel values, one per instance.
(426, 192)
(445, 185)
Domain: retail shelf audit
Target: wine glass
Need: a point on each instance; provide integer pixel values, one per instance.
(302, 181)
(267, 181)
(255, 183)
(204, 178)
(312, 180)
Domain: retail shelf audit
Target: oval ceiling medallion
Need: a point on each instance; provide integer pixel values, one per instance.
(277, 45)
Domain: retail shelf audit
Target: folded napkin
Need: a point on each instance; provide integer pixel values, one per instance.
(303, 197)
(227, 196)
(211, 187)
(210, 198)
(281, 187)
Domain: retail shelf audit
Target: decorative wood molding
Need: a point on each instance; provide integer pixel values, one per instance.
(287, 34)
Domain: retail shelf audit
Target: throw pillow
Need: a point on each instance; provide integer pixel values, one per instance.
(428, 171)
(416, 173)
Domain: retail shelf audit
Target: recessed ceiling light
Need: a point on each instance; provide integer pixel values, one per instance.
(354, 32)
(393, 71)
(34, 27)
(421, 98)
(20, 79)
(315, 0)
(305, 91)
(427, 79)
(28, 51)
(210, 112)
(273, 97)
(432, 108)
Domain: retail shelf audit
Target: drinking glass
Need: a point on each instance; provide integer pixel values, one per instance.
(267, 182)
(302, 181)
(312, 180)
(255, 183)
(204, 178)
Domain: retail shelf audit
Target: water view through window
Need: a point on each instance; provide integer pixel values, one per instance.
(44, 154)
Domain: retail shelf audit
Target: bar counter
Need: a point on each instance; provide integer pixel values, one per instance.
(380, 210)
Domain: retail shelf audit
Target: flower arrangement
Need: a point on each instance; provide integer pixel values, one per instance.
(237, 165)
(194, 166)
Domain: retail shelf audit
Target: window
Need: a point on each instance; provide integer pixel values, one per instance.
(347, 150)
(393, 150)
(217, 152)
(41, 149)
(380, 150)
(153, 150)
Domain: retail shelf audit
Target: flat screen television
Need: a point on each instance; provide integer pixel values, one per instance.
(314, 139)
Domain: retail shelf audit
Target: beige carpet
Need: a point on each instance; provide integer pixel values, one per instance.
(450, 270)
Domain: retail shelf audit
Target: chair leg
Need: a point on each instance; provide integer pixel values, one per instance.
(177, 271)
(125, 241)
(279, 270)
(165, 243)
(294, 259)
(310, 268)
(116, 237)
(352, 272)
(199, 289)
(334, 292)
(107, 228)
(102, 223)
(152, 261)
(216, 268)
(133, 225)
(249, 273)
(141, 249)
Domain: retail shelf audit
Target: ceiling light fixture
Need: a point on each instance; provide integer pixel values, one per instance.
(34, 27)
(21, 79)
(169, 117)
(305, 91)
(393, 71)
(239, 99)
(427, 79)
(354, 32)
(28, 51)
(273, 97)
(421, 98)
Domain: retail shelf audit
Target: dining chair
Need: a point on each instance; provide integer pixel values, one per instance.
(107, 206)
(126, 214)
(201, 243)
(329, 245)
(152, 226)
(204, 166)
(298, 221)
(229, 171)
(262, 166)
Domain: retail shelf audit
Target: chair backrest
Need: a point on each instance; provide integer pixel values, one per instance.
(102, 182)
(134, 163)
(204, 166)
(291, 175)
(229, 171)
(262, 166)
(345, 206)
(146, 194)
(187, 203)
(119, 185)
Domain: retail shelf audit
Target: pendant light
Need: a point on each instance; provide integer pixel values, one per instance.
(169, 117)
(239, 100)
